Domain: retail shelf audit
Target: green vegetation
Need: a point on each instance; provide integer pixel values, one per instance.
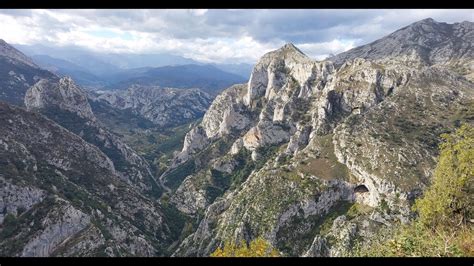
(445, 212)
(9, 226)
(157, 145)
(89, 133)
(177, 175)
(13, 233)
(299, 233)
(450, 197)
(78, 191)
(325, 165)
(258, 247)
(221, 182)
(175, 219)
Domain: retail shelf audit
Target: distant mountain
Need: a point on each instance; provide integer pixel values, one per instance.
(97, 70)
(62, 67)
(127, 61)
(17, 74)
(241, 69)
(318, 158)
(77, 56)
(119, 61)
(206, 77)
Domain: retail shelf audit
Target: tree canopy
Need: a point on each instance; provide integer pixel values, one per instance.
(258, 247)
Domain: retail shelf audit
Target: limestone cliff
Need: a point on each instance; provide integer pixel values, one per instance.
(355, 139)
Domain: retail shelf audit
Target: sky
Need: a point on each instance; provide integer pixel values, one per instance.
(214, 36)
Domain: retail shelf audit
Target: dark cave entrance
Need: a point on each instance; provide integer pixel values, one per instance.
(361, 189)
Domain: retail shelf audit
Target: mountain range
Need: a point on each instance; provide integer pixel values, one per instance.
(315, 157)
(109, 71)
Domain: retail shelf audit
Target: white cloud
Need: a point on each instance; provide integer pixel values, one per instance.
(322, 50)
(212, 35)
(198, 12)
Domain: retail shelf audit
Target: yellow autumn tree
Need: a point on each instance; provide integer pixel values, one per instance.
(449, 200)
(258, 247)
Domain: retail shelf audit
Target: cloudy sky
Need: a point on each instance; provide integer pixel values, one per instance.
(228, 36)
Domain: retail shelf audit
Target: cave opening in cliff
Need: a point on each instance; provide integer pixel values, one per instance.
(361, 189)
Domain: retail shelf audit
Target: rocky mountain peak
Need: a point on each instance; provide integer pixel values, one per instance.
(426, 21)
(10, 52)
(280, 67)
(63, 94)
(423, 43)
(288, 52)
(421, 27)
(290, 47)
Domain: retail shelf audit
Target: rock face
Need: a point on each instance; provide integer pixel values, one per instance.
(16, 199)
(357, 134)
(67, 104)
(59, 225)
(17, 74)
(424, 42)
(163, 106)
(64, 94)
(226, 115)
(68, 197)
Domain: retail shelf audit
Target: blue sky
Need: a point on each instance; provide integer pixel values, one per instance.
(225, 36)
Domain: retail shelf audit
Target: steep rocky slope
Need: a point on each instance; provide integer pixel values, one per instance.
(428, 42)
(65, 103)
(315, 156)
(17, 74)
(61, 196)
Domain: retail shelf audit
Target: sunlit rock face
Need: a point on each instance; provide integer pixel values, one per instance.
(368, 118)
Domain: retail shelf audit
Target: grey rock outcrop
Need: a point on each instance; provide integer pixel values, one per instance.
(161, 106)
(426, 42)
(60, 224)
(64, 94)
(15, 199)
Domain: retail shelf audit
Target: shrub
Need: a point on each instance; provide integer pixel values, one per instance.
(259, 247)
(449, 199)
